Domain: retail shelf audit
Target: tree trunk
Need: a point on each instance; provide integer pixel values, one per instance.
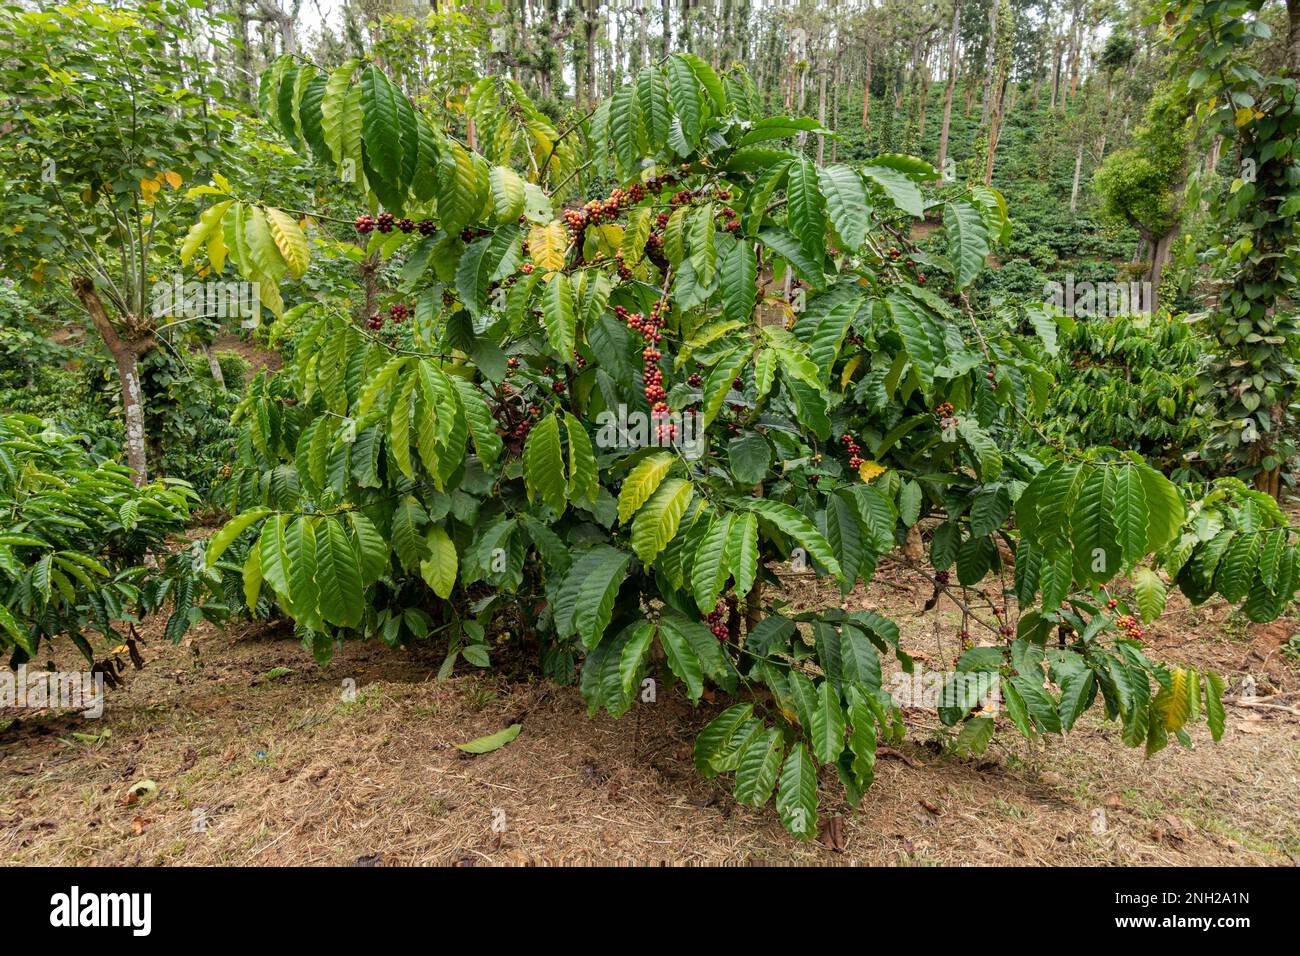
(1074, 190)
(821, 116)
(866, 96)
(214, 367)
(283, 23)
(990, 75)
(952, 84)
(1293, 37)
(1161, 248)
(126, 354)
(643, 31)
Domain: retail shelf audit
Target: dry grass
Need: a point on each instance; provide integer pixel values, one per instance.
(283, 770)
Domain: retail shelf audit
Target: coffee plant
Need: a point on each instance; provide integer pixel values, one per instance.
(83, 549)
(599, 430)
(1131, 382)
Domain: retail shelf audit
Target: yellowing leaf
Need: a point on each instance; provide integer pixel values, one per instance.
(173, 179)
(870, 469)
(547, 245)
(149, 189)
(290, 240)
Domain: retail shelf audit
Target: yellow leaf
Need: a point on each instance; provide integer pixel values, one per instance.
(1245, 115)
(217, 250)
(850, 367)
(149, 189)
(18, 227)
(289, 239)
(548, 244)
(173, 179)
(870, 469)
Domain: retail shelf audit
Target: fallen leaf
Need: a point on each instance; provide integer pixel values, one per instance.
(140, 790)
(139, 824)
(832, 834)
(491, 742)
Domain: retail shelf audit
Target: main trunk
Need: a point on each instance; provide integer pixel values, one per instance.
(126, 351)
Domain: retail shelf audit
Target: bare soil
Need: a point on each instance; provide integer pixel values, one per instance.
(254, 765)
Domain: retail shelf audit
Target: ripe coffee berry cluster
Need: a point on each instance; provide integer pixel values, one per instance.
(624, 272)
(718, 617)
(1130, 626)
(398, 313)
(650, 329)
(731, 220)
(855, 451)
(656, 238)
(947, 419)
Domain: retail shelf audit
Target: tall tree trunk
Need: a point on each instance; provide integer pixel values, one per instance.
(589, 25)
(952, 84)
(283, 22)
(126, 354)
(214, 367)
(1074, 189)
(821, 115)
(866, 96)
(643, 31)
(991, 67)
(1293, 37)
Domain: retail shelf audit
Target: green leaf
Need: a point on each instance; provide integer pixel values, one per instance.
(827, 730)
(897, 188)
(968, 245)
(508, 195)
(596, 594)
(718, 384)
(738, 282)
(1214, 714)
(1150, 593)
(1129, 514)
(750, 457)
(682, 660)
(544, 464)
(756, 773)
(338, 575)
(439, 569)
(911, 323)
(657, 522)
(806, 208)
(789, 248)
(975, 736)
(559, 314)
(796, 801)
(224, 538)
(709, 570)
(846, 202)
(641, 483)
(484, 745)
(713, 740)
(792, 522)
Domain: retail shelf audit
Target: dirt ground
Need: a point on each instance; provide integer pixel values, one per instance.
(257, 756)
